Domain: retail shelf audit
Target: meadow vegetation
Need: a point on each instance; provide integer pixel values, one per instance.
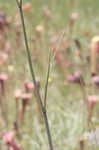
(63, 40)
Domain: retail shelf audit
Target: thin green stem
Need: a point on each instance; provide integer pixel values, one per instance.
(37, 93)
(47, 79)
(49, 68)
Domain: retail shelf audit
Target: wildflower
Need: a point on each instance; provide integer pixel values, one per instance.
(28, 86)
(76, 78)
(8, 138)
(92, 101)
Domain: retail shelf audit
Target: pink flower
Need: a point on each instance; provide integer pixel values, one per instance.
(92, 100)
(8, 139)
(28, 86)
(76, 78)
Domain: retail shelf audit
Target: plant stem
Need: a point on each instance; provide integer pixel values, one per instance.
(47, 78)
(37, 93)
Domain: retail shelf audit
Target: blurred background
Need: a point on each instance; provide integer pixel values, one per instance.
(66, 27)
